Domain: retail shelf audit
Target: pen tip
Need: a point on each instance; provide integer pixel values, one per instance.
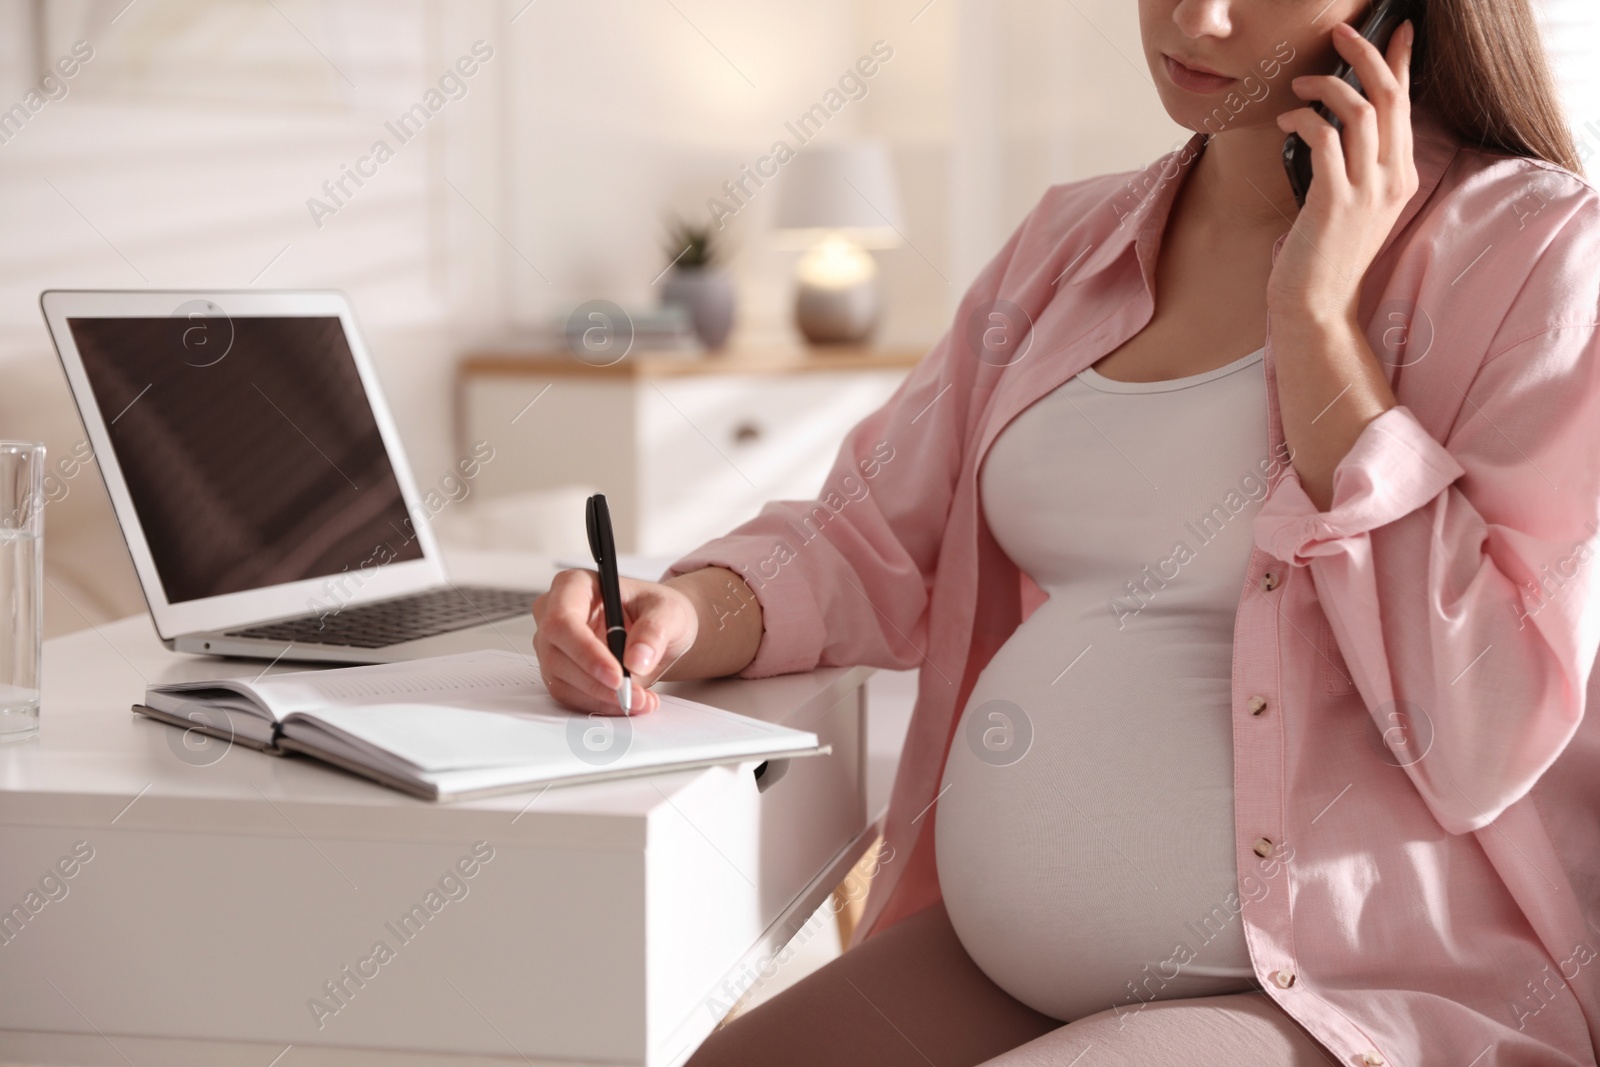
(625, 696)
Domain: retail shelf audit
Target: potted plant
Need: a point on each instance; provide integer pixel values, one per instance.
(696, 280)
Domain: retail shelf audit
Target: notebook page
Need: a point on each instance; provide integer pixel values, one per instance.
(472, 677)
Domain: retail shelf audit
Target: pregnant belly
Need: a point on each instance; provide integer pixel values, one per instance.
(1085, 830)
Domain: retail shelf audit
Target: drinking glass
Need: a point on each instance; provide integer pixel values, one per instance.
(21, 586)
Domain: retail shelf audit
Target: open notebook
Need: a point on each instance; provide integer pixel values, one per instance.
(470, 725)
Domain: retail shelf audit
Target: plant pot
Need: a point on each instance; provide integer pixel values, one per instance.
(708, 296)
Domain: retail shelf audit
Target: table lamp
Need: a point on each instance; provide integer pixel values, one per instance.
(836, 202)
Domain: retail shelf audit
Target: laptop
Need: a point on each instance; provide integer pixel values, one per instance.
(259, 481)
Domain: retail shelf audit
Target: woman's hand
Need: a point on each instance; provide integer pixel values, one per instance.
(704, 624)
(578, 666)
(1362, 181)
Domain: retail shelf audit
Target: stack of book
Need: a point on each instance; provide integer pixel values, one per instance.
(657, 331)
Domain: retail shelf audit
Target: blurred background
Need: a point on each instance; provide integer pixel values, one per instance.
(204, 145)
(540, 160)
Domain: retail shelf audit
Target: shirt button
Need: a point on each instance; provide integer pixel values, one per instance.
(1285, 979)
(1372, 1059)
(1258, 704)
(1263, 847)
(1269, 581)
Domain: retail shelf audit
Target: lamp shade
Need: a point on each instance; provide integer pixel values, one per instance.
(846, 187)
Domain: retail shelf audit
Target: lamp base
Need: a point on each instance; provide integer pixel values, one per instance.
(838, 315)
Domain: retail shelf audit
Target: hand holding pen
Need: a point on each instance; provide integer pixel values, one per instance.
(598, 648)
(603, 639)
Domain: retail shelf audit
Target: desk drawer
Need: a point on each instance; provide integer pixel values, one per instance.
(712, 452)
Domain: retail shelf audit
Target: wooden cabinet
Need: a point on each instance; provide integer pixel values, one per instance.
(685, 448)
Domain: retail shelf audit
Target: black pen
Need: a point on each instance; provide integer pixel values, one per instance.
(604, 547)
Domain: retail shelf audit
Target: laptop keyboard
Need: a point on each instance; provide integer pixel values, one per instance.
(394, 622)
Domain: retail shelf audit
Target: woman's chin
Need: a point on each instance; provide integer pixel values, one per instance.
(1196, 120)
(1189, 110)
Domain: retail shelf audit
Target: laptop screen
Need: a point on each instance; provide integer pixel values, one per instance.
(248, 447)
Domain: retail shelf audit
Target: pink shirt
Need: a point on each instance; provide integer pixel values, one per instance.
(1417, 788)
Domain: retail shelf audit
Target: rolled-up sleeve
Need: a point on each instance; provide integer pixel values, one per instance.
(793, 630)
(1394, 468)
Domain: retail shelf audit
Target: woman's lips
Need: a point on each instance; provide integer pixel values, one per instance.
(1192, 80)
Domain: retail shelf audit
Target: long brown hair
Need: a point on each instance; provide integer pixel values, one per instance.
(1481, 68)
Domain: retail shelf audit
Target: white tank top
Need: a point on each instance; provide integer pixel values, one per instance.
(1085, 828)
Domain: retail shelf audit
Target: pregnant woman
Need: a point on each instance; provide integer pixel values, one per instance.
(1247, 555)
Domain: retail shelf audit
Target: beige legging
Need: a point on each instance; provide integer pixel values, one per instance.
(912, 997)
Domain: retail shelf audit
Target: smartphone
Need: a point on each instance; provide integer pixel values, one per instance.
(1385, 17)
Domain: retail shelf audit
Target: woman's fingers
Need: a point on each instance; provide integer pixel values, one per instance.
(1359, 143)
(662, 626)
(643, 653)
(1369, 163)
(574, 686)
(1327, 155)
(1385, 83)
(563, 616)
(577, 690)
(1397, 120)
(577, 663)
(1398, 58)
(644, 700)
(563, 676)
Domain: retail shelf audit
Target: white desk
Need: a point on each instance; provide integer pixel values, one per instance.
(227, 887)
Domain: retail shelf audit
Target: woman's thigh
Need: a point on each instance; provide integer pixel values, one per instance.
(906, 997)
(1221, 1031)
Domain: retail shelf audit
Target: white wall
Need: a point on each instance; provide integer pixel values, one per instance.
(1572, 31)
(185, 151)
